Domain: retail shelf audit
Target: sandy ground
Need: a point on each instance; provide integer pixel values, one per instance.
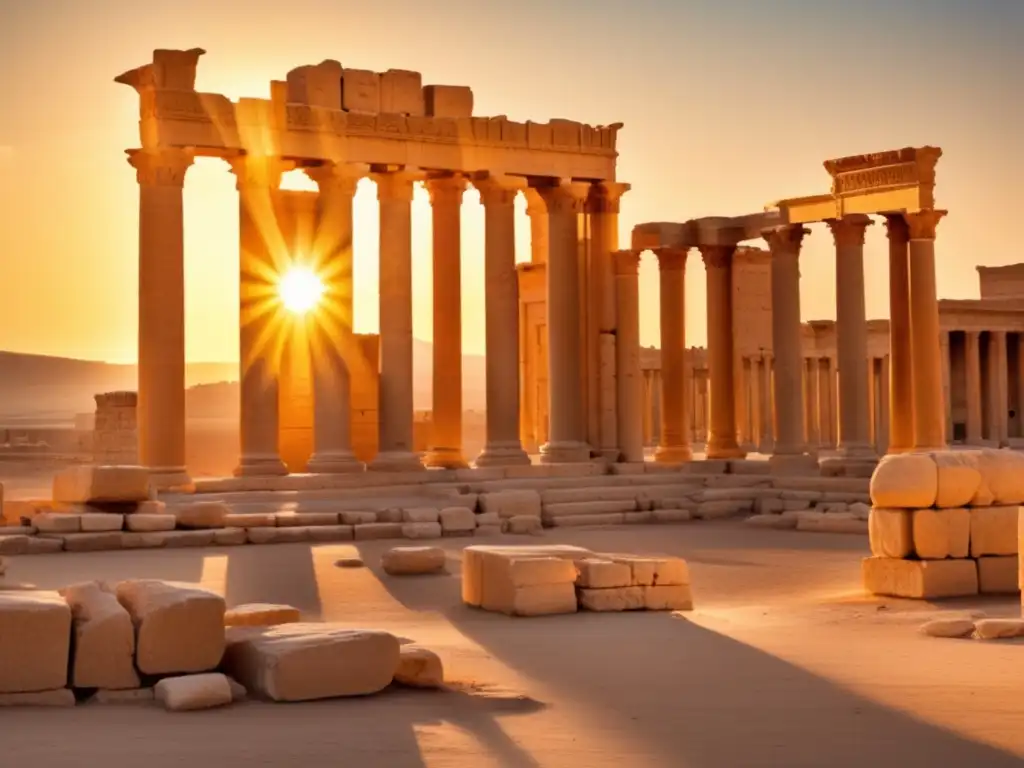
(783, 663)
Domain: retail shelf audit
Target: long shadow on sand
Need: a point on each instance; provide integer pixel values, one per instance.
(280, 573)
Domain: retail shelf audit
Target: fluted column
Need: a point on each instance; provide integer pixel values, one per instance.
(261, 247)
(567, 443)
(901, 387)
(929, 418)
(629, 380)
(722, 433)
(998, 390)
(826, 411)
(503, 446)
(446, 436)
(851, 335)
(395, 452)
(334, 351)
(784, 243)
(674, 446)
(161, 368)
(603, 209)
(972, 366)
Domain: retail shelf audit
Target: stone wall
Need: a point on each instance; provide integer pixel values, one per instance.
(115, 434)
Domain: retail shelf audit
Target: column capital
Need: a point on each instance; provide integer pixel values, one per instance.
(671, 258)
(849, 230)
(565, 197)
(626, 262)
(396, 186)
(717, 256)
(498, 189)
(446, 190)
(604, 196)
(264, 171)
(922, 224)
(160, 167)
(341, 177)
(534, 202)
(785, 238)
(896, 228)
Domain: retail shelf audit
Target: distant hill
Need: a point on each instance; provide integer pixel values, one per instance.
(39, 388)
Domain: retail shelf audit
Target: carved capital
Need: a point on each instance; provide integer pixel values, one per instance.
(922, 224)
(671, 258)
(604, 197)
(499, 190)
(567, 197)
(341, 178)
(446, 190)
(717, 256)
(396, 186)
(786, 238)
(626, 262)
(160, 167)
(534, 203)
(259, 171)
(896, 228)
(849, 230)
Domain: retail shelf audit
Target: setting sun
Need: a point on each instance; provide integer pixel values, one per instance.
(300, 290)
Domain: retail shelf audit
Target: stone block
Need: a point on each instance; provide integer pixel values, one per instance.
(316, 85)
(919, 579)
(329, 533)
(392, 515)
(91, 484)
(409, 561)
(150, 507)
(580, 521)
(448, 101)
(357, 518)
(999, 629)
(1002, 473)
(401, 93)
(456, 520)
(993, 531)
(958, 478)
(651, 571)
(227, 537)
(551, 512)
(669, 597)
(260, 615)
(91, 542)
(421, 530)
(179, 627)
(277, 535)
(537, 600)
(998, 575)
(523, 525)
(61, 697)
(41, 546)
(941, 533)
(143, 540)
(57, 522)
(35, 637)
(419, 667)
(96, 522)
(191, 692)
(511, 503)
(305, 519)
(197, 538)
(485, 567)
(360, 91)
(905, 481)
(202, 514)
(623, 598)
(891, 532)
(491, 518)
(146, 523)
(373, 531)
(103, 650)
(948, 628)
(251, 520)
(603, 574)
(302, 662)
(14, 545)
(420, 515)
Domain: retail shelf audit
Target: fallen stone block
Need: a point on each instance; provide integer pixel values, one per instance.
(580, 521)
(413, 561)
(603, 574)
(328, 533)
(35, 637)
(998, 629)
(202, 514)
(229, 537)
(14, 545)
(948, 628)
(419, 667)
(905, 481)
(373, 531)
(651, 571)
(491, 518)
(941, 533)
(90, 542)
(302, 662)
(57, 522)
(958, 478)
(146, 523)
(919, 579)
(38, 545)
(305, 519)
(420, 515)
(537, 600)
(61, 697)
(357, 518)
(92, 484)
(149, 507)
(393, 515)
(179, 627)
(196, 538)
(891, 532)
(147, 540)
(421, 530)
(276, 535)
(612, 599)
(260, 615)
(670, 597)
(457, 520)
(96, 522)
(777, 522)
(998, 575)
(523, 525)
(191, 692)
(511, 503)
(993, 531)
(103, 650)
(250, 520)
(123, 696)
(486, 567)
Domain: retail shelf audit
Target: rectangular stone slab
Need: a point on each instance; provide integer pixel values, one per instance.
(35, 640)
(919, 579)
(474, 558)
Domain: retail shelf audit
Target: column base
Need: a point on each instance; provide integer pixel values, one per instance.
(611, 455)
(506, 454)
(334, 463)
(173, 479)
(673, 454)
(857, 451)
(793, 464)
(724, 449)
(261, 466)
(445, 458)
(566, 452)
(396, 461)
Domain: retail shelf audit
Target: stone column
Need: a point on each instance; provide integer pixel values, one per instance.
(784, 243)
(629, 380)
(648, 406)
(722, 434)
(161, 369)
(972, 364)
(826, 415)
(603, 209)
(851, 335)
(901, 390)
(395, 451)
(446, 209)
(885, 418)
(261, 242)
(656, 396)
(811, 403)
(537, 211)
(564, 203)
(503, 445)
(998, 389)
(334, 350)
(674, 446)
(947, 392)
(929, 418)
(1020, 385)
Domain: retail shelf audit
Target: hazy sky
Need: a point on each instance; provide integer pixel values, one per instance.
(727, 105)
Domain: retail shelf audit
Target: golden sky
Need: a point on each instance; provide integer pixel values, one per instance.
(727, 105)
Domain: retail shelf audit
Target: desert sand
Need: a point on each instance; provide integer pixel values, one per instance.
(783, 663)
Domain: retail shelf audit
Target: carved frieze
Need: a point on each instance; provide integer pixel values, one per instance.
(187, 106)
(884, 177)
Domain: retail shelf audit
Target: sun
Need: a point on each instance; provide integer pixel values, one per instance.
(300, 290)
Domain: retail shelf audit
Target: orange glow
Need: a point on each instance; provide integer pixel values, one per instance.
(300, 290)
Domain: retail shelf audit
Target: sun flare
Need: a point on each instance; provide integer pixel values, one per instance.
(300, 290)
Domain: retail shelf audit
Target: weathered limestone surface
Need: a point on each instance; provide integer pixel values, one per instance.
(948, 628)
(202, 514)
(511, 503)
(668, 597)
(419, 667)
(57, 522)
(920, 579)
(190, 692)
(91, 484)
(260, 615)
(410, 561)
(104, 639)
(145, 523)
(994, 531)
(941, 533)
(622, 598)
(35, 636)
(61, 697)
(457, 520)
(294, 519)
(96, 522)
(301, 662)
(1002, 473)
(523, 525)
(421, 530)
(179, 627)
(603, 574)
(958, 478)
(999, 629)
(905, 480)
(998, 575)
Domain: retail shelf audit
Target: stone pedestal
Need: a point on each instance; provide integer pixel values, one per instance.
(721, 442)
(115, 434)
(674, 446)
